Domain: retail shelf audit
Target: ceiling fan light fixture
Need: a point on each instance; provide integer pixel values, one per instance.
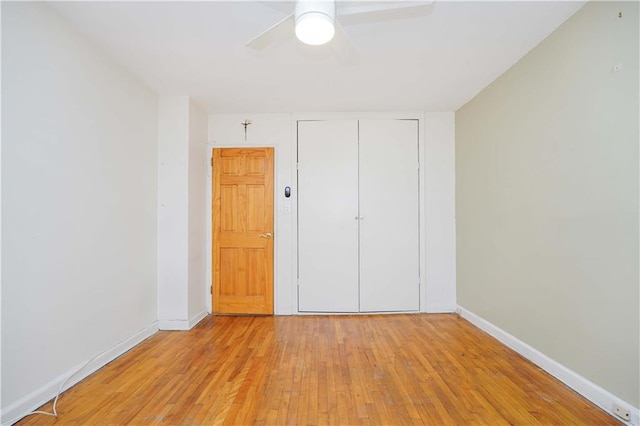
(315, 21)
(314, 29)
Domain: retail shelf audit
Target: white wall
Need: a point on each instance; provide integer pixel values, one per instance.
(266, 130)
(440, 254)
(79, 206)
(0, 219)
(198, 166)
(437, 179)
(547, 199)
(182, 133)
(173, 204)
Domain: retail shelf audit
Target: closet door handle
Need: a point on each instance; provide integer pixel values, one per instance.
(359, 217)
(266, 235)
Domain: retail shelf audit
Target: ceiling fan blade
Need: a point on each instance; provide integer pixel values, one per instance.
(365, 13)
(279, 32)
(343, 47)
(284, 6)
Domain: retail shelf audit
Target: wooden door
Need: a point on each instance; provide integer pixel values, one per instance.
(243, 230)
(328, 216)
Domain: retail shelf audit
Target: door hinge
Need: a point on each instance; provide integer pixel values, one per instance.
(211, 161)
(210, 289)
(418, 165)
(297, 166)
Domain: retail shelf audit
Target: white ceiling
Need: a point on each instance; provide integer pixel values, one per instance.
(436, 62)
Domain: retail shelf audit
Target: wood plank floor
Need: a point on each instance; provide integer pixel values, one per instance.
(308, 370)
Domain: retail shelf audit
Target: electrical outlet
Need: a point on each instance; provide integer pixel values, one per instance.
(621, 412)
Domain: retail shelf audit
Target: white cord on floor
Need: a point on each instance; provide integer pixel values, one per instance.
(54, 411)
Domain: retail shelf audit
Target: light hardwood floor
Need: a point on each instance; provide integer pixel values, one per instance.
(307, 370)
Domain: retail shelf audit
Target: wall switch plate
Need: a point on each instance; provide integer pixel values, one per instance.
(621, 412)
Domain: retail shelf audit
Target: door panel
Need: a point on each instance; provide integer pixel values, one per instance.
(327, 211)
(256, 208)
(229, 208)
(389, 228)
(243, 230)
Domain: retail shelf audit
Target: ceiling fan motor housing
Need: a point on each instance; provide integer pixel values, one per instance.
(315, 21)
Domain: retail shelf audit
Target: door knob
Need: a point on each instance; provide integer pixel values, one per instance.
(266, 235)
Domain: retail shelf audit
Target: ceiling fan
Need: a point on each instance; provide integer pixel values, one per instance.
(317, 22)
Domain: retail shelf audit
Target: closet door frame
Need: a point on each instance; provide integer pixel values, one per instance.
(421, 188)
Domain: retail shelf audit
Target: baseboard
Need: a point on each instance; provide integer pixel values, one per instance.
(182, 325)
(197, 318)
(17, 410)
(173, 325)
(594, 393)
(440, 309)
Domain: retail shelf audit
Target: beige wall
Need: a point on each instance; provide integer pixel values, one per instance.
(547, 198)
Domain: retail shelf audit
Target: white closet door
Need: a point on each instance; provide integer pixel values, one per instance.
(327, 210)
(389, 228)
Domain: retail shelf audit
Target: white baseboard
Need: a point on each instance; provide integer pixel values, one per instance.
(172, 325)
(583, 386)
(35, 399)
(197, 318)
(182, 325)
(439, 309)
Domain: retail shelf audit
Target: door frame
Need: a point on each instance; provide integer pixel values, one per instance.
(209, 212)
